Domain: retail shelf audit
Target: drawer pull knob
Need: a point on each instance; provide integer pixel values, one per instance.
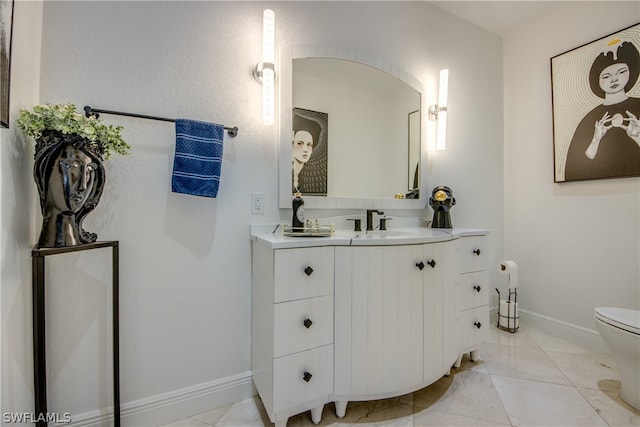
(477, 252)
(307, 323)
(308, 270)
(420, 265)
(477, 288)
(477, 324)
(432, 263)
(307, 376)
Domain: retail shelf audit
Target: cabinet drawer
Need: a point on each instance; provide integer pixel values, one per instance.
(473, 326)
(303, 324)
(290, 386)
(473, 290)
(472, 251)
(303, 273)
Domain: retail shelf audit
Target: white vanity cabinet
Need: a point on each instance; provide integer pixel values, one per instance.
(363, 317)
(472, 295)
(292, 329)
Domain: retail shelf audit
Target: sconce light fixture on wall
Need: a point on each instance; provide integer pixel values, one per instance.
(439, 111)
(265, 71)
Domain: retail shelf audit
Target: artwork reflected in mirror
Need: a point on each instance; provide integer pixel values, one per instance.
(309, 152)
(414, 155)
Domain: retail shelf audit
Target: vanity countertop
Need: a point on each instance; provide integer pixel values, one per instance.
(265, 235)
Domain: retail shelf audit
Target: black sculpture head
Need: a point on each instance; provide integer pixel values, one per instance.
(441, 201)
(70, 177)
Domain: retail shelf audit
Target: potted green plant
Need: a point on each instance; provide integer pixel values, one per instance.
(65, 119)
(68, 168)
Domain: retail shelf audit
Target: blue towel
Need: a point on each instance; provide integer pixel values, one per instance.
(198, 158)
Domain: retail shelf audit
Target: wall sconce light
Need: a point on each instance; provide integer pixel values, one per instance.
(439, 112)
(265, 71)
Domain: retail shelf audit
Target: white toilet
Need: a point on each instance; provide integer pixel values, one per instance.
(620, 330)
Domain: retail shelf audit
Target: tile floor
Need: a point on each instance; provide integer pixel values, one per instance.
(524, 379)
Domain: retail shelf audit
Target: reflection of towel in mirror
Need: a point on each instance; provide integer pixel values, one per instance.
(198, 158)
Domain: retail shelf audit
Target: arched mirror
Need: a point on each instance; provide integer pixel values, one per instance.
(350, 131)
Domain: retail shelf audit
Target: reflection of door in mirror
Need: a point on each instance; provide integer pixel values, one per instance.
(369, 155)
(309, 152)
(414, 155)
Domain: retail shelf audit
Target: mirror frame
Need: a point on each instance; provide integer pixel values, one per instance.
(285, 83)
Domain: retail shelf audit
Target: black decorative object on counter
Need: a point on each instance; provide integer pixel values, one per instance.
(70, 177)
(441, 201)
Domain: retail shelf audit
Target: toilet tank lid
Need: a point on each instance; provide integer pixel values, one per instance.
(624, 316)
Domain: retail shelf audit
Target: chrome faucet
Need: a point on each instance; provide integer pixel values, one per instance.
(370, 213)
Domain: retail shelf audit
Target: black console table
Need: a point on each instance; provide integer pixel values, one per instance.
(39, 362)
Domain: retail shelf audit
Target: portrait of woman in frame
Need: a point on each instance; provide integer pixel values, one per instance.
(596, 108)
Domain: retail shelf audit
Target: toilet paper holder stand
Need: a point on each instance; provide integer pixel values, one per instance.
(511, 316)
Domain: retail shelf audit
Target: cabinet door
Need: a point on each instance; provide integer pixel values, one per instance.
(379, 321)
(439, 309)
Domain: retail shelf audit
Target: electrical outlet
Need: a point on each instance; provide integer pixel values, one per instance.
(257, 203)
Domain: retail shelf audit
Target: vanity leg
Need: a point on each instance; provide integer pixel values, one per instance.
(281, 423)
(341, 408)
(458, 362)
(316, 414)
(448, 373)
(473, 355)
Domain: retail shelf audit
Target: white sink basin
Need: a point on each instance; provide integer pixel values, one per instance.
(388, 233)
(397, 236)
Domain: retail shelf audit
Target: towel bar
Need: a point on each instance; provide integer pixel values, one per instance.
(88, 112)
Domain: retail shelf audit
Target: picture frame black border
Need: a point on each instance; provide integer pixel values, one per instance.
(5, 70)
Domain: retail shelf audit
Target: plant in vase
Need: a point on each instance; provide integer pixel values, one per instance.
(68, 168)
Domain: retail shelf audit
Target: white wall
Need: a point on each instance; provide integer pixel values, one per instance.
(18, 206)
(185, 261)
(577, 243)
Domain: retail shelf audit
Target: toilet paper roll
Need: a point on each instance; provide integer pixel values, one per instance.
(511, 268)
(508, 314)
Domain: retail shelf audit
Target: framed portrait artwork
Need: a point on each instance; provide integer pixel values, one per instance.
(6, 23)
(596, 108)
(310, 148)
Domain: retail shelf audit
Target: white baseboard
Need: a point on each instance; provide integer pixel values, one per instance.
(588, 338)
(171, 406)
